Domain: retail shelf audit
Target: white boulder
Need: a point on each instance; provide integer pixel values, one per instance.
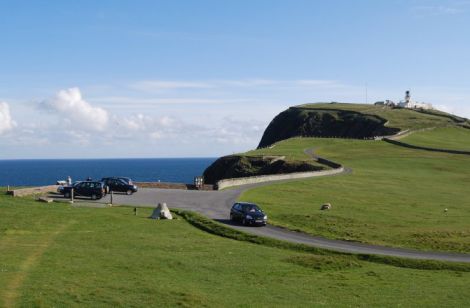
(161, 212)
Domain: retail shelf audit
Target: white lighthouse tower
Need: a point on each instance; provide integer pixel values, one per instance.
(407, 97)
(409, 103)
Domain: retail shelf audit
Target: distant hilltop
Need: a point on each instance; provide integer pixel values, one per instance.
(332, 120)
(406, 103)
(343, 120)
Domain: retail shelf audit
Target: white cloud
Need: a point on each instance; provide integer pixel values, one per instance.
(435, 10)
(6, 122)
(140, 122)
(247, 82)
(235, 131)
(134, 102)
(317, 83)
(156, 85)
(461, 111)
(74, 110)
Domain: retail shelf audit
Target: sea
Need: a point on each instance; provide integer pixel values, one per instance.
(35, 172)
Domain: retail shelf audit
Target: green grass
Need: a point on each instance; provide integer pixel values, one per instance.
(452, 138)
(214, 227)
(395, 196)
(398, 118)
(57, 255)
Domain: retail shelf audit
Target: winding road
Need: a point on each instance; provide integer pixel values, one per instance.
(216, 205)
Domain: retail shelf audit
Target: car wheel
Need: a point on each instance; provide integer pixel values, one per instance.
(94, 197)
(129, 192)
(67, 195)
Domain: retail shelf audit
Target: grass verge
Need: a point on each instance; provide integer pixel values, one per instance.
(395, 196)
(57, 255)
(343, 259)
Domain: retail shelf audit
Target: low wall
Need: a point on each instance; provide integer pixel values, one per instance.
(275, 177)
(33, 190)
(417, 147)
(164, 185)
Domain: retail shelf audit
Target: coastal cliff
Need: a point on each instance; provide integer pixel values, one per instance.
(298, 121)
(337, 120)
(237, 166)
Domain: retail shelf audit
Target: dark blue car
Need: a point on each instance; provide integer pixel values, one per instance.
(94, 190)
(120, 184)
(248, 214)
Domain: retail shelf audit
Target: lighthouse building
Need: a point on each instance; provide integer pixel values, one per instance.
(411, 104)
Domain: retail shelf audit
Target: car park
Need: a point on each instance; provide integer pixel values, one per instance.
(94, 190)
(248, 214)
(120, 184)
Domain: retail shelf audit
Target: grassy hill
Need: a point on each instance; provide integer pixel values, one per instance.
(351, 121)
(395, 196)
(452, 138)
(340, 120)
(58, 255)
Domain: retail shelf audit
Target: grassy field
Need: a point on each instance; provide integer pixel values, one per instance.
(453, 138)
(58, 255)
(395, 196)
(399, 118)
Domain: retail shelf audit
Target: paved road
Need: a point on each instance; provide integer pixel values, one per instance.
(216, 205)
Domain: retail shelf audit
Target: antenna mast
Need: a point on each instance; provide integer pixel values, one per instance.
(367, 99)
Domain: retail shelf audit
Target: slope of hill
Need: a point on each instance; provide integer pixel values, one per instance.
(340, 120)
(357, 121)
(236, 166)
(62, 256)
(395, 196)
(452, 138)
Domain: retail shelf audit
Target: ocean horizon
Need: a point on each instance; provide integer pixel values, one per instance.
(32, 172)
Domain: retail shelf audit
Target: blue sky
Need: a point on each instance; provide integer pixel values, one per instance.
(204, 78)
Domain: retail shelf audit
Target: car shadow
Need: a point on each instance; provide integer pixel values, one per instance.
(58, 196)
(229, 222)
(235, 223)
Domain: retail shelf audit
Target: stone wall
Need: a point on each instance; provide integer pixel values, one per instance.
(164, 185)
(22, 192)
(275, 177)
(417, 147)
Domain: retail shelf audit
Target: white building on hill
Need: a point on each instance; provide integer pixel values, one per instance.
(409, 103)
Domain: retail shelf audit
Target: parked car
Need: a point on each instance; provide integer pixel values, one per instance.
(119, 184)
(248, 214)
(125, 179)
(94, 190)
(60, 189)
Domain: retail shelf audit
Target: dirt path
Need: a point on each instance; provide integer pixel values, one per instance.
(12, 291)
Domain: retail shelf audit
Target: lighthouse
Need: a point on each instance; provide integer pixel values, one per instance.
(408, 98)
(409, 103)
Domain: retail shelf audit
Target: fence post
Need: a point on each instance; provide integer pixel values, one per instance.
(111, 197)
(71, 195)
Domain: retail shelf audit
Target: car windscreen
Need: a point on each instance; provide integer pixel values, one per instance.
(247, 208)
(126, 180)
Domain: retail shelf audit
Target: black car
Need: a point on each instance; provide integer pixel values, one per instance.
(60, 189)
(94, 190)
(120, 184)
(248, 214)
